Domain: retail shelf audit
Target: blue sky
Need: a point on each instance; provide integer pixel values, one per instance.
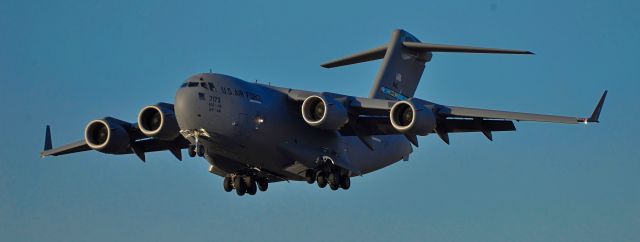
(65, 63)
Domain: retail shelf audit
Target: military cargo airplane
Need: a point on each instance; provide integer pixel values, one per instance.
(253, 134)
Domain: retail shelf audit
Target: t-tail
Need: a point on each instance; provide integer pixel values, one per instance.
(403, 62)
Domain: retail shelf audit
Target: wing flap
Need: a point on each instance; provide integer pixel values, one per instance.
(451, 111)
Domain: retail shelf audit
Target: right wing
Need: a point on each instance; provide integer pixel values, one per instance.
(74, 147)
(371, 117)
(140, 144)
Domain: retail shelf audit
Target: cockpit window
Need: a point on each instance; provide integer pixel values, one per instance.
(193, 84)
(212, 87)
(183, 85)
(204, 84)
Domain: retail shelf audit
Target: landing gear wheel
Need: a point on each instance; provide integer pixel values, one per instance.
(200, 150)
(322, 180)
(192, 150)
(251, 190)
(309, 175)
(250, 183)
(227, 184)
(239, 185)
(263, 184)
(334, 182)
(345, 182)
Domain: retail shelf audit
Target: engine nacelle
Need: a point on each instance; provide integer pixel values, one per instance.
(324, 113)
(159, 121)
(108, 136)
(407, 118)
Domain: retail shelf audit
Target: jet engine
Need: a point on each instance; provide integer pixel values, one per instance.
(407, 118)
(159, 121)
(324, 113)
(108, 136)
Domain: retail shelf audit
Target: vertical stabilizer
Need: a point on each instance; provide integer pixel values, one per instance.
(401, 69)
(403, 63)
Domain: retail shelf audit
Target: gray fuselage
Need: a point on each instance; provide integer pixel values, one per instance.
(250, 125)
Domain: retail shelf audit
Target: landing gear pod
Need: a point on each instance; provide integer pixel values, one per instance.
(408, 118)
(324, 113)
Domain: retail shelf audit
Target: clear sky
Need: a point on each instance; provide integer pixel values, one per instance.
(65, 63)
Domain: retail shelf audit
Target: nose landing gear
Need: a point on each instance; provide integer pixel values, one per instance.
(197, 148)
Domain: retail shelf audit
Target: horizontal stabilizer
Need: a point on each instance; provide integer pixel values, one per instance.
(369, 55)
(379, 52)
(462, 49)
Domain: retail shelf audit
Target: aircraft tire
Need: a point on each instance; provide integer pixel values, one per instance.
(200, 151)
(248, 180)
(322, 180)
(334, 182)
(250, 184)
(251, 190)
(227, 184)
(310, 176)
(263, 184)
(239, 185)
(345, 182)
(192, 151)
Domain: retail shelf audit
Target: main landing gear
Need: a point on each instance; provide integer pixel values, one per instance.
(329, 174)
(245, 184)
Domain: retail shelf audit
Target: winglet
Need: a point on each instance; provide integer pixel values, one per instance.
(47, 139)
(596, 112)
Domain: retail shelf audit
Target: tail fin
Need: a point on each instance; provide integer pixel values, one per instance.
(403, 64)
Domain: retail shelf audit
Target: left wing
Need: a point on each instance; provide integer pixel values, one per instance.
(451, 111)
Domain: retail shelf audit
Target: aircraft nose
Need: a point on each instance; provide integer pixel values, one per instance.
(187, 108)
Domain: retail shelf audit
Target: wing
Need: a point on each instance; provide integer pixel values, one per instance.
(371, 117)
(451, 111)
(140, 145)
(74, 147)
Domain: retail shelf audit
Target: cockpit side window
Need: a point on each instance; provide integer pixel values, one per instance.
(184, 85)
(212, 87)
(204, 85)
(193, 84)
